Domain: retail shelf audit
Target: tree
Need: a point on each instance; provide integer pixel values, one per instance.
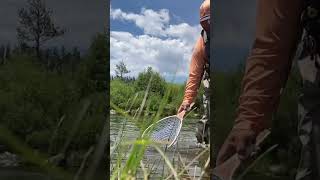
(36, 25)
(2, 52)
(99, 64)
(76, 53)
(5, 52)
(63, 52)
(23, 47)
(121, 69)
(75, 59)
(158, 83)
(8, 51)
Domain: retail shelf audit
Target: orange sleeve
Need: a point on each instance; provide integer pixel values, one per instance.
(269, 63)
(198, 60)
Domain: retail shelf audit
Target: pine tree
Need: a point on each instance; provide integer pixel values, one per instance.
(36, 25)
(121, 70)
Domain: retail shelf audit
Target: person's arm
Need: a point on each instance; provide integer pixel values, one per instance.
(266, 73)
(196, 69)
(269, 63)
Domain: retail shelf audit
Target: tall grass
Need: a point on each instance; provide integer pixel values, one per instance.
(133, 152)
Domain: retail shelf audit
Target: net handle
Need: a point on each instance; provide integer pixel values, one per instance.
(227, 169)
(183, 112)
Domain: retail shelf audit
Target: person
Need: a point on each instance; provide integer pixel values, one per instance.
(199, 70)
(279, 29)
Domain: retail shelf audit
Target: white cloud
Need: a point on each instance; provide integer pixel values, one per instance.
(165, 47)
(152, 22)
(184, 31)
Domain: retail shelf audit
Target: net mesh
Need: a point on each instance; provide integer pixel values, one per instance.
(165, 130)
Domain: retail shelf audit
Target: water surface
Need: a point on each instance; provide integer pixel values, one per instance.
(185, 148)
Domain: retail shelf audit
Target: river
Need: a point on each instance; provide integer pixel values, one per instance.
(185, 148)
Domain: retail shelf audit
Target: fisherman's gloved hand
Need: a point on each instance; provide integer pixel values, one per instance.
(240, 141)
(184, 106)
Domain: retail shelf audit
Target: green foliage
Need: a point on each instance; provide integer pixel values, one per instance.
(32, 101)
(154, 101)
(157, 85)
(129, 95)
(176, 97)
(39, 139)
(42, 101)
(98, 65)
(121, 92)
(225, 96)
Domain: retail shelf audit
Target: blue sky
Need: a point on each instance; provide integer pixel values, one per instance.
(180, 11)
(169, 49)
(157, 33)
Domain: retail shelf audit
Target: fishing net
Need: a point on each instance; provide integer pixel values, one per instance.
(166, 130)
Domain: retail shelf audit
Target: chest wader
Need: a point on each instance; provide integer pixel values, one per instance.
(309, 98)
(203, 133)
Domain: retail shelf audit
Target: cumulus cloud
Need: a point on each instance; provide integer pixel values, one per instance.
(150, 21)
(165, 47)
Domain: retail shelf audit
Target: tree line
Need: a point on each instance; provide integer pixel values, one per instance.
(53, 99)
(128, 92)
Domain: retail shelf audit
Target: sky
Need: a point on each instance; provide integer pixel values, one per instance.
(158, 33)
(234, 28)
(161, 34)
(81, 18)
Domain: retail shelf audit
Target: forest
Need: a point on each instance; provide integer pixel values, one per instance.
(53, 99)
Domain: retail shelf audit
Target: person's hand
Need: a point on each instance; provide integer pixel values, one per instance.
(183, 106)
(239, 141)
